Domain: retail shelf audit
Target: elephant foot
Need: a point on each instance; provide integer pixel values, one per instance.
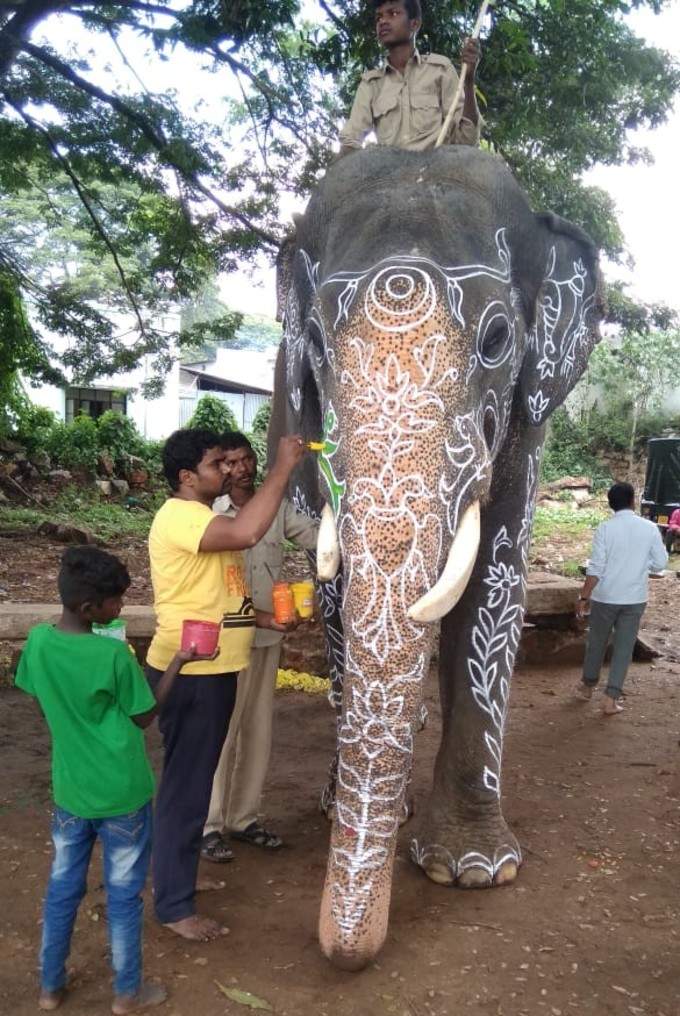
(477, 856)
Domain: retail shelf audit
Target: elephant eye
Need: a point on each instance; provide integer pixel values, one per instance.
(495, 336)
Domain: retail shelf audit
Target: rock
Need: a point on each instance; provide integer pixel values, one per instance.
(570, 483)
(104, 487)
(138, 477)
(41, 460)
(3, 498)
(8, 468)
(11, 447)
(65, 533)
(59, 477)
(121, 487)
(105, 464)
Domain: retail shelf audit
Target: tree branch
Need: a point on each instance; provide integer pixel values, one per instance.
(80, 191)
(337, 21)
(147, 128)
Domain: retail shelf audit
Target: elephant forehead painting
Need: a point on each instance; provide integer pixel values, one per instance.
(431, 324)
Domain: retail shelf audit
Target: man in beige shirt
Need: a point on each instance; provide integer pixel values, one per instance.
(405, 102)
(242, 768)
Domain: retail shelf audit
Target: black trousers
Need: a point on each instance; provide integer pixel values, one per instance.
(193, 723)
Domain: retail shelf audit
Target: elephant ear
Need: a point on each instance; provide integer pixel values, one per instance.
(568, 311)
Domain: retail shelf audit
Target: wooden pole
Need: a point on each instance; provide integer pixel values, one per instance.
(446, 126)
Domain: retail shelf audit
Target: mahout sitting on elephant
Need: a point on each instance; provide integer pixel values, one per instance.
(432, 322)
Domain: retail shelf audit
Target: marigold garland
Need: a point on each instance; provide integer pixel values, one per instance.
(294, 680)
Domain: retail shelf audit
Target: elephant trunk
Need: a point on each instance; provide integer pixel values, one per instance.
(381, 709)
(387, 655)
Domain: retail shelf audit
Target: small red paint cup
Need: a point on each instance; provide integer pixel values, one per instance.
(202, 634)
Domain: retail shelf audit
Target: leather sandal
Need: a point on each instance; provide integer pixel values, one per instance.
(214, 848)
(258, 836)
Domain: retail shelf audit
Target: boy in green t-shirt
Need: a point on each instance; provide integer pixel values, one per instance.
(95, 700)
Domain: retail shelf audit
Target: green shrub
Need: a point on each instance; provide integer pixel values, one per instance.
(74, 445)
(259, 443)
(568, 452)
(33, 425)
(262, 418)
(118, 435)
(212, 413)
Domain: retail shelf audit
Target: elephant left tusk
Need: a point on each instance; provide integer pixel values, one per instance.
(447, 591)
(327, 547)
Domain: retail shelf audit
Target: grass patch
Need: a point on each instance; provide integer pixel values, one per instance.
(551, 522)
(106, 519)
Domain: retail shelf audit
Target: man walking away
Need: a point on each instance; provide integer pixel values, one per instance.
(625, 549)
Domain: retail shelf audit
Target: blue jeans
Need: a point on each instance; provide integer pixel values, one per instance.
(126, 842)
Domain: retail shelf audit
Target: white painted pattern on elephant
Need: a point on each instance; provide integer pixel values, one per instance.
(393, 407)
(451, 275)
(563, 304)
(396, 402)
(497, 636)
(369, 806)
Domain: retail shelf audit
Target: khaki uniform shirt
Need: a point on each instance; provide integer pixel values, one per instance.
(407, 110)
(264, 561)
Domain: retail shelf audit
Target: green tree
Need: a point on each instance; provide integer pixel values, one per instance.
(636, 371)
(563, 86)
(212, 413)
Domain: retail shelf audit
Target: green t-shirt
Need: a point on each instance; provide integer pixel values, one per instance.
(88, 687)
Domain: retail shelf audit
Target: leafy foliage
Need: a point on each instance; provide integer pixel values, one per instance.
(568, 452)
(107, 519)
(212, 413)
(118, 435)
(74, 445)
(148, 199)
(262, 418)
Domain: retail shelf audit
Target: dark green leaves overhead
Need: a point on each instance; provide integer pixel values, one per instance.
(124, 201)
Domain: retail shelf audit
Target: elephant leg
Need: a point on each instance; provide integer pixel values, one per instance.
(464, 838)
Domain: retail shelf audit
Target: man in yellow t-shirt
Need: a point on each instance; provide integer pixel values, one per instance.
(197, 574)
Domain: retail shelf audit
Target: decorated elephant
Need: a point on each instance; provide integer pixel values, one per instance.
(432, 322)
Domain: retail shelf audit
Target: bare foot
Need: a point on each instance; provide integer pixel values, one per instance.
(196, 928)
(611, 706)
(583, 691)
(206, 885)
(148, 996)
(49, 1000)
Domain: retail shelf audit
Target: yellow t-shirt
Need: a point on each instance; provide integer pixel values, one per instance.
(192, 586)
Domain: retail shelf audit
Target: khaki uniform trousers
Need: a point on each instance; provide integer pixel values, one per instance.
(242, 768)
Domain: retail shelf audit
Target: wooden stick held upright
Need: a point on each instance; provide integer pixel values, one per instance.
(446, 126)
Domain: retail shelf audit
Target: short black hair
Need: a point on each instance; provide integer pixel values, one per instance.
(184, 450)
(90, 575)
(620, 496)
(413, 8)
(233, 439)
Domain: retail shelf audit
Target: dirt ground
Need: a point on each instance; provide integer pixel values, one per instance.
(591, 926)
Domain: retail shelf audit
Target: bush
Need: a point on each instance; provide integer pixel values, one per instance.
(33, 425)
(118, 435)
(74, 445)
(568, 452)
(213, 414)
(262, 418)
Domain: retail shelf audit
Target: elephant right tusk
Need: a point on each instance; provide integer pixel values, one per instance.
(447, 591)
(327, 547)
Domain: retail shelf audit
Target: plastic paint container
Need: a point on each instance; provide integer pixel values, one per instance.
(284, 605)
(303, 596)
(203, 634)
(113, 630)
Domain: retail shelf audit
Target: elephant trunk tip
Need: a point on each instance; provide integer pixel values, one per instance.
(353, 950)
